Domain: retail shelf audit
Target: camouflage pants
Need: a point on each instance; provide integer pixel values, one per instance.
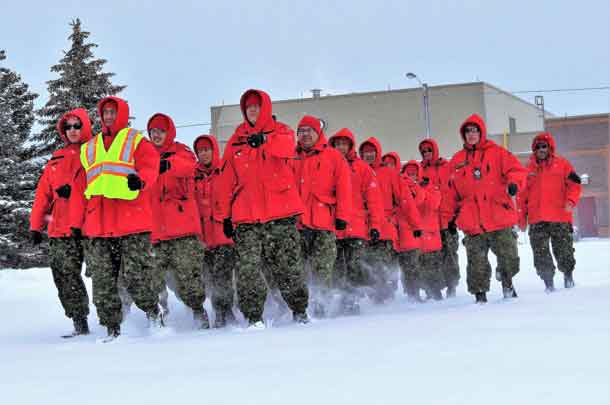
(450, 264)
(409, 268)
(131, 256)
(66, 256)
(183, 258)
(430, 271)
(319, 253)
(277, 245)
(503, 243)
(220, 267)
(560, 236)
(349, 272)
(380, 258)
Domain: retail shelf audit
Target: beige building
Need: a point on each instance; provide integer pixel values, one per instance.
(396, 117)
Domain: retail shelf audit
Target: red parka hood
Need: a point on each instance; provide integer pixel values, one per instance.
(122, 117)
(215, 154)
(414, 163)
(476, 120)
(544, 137)
(85, 132)
(171, 130)
(394, 156)
(435, 154)
(265, 121)
(372, 141)
(345, 133)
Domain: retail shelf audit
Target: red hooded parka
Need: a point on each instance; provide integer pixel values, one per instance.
(367, 206)
(324, 182)
(174, 207)
(480, 175)
(437, 171)
(257, 184)
(49, 209)
(551, 185)
(206, 193)
(103, 217)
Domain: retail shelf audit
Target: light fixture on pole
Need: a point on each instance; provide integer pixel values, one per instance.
(426, 101)
(539, 101)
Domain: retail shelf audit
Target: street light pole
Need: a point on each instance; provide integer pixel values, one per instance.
(539, 101)
(426, 97)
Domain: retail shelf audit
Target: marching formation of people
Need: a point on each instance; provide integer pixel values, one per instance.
(318, 223)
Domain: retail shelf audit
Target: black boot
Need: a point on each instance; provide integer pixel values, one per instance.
(549, 285)
(81, 327)
(481, 298)
(508, 290)
(201, 319)
(436, 295)
(114, 332)
(568, 279)
(301, 318)
(451, 291)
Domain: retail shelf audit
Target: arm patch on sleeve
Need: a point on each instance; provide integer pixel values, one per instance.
(574, 177)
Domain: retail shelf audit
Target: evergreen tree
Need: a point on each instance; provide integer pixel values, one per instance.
(81, 83)
(18, 172)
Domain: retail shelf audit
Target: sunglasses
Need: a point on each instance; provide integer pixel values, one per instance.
(68, 127)
(468, 130)
(541, 146)
(426, 150)
(303, 131)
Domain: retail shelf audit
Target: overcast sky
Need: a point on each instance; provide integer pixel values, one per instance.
(181, 57)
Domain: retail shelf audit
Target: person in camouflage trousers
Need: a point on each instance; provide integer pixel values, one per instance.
(324, 182)
(258, 203)
(220, 254)
(176, 230)
(449, 258)
(547, 203)
(119, 168)
(51, 209)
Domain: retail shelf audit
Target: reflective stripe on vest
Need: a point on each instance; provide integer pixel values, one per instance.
(107, 170)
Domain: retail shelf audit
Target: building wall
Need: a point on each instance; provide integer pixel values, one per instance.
(395, 117)
(500, 105)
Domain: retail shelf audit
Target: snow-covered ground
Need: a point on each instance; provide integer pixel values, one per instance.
(538, 349)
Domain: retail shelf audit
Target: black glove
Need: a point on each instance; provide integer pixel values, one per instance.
(76, 233)
(134, 182)
(256, 140)
(164, 166)
(227, 227)
(340, 224)
(374, 234)
(417, 233)
(451, 227)
(424, 181)
(512, 189)
(36, 237)
(64, 191)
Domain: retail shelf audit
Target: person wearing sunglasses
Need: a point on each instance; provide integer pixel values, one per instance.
(51, 209)
(435, 170)
(120, 168)
(484, 181)
(547, 204)
(176, 227)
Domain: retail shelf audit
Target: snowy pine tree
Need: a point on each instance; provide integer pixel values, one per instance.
(18, 172)
(81, 83)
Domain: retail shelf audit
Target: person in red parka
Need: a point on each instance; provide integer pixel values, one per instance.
(220, 254)
(396, 201)
(259, 203)
(117, 215)
(391, 159)
(435, 170)
(176, 226)
(428, 201)
(324, 183)
(547, 203)
(485, 178)
(51, 208)
(363, 225)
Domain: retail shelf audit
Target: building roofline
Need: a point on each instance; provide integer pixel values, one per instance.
(573, 118)
(507, 93)
(377, 92)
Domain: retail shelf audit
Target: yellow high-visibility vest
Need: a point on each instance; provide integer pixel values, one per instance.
(107, 170)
